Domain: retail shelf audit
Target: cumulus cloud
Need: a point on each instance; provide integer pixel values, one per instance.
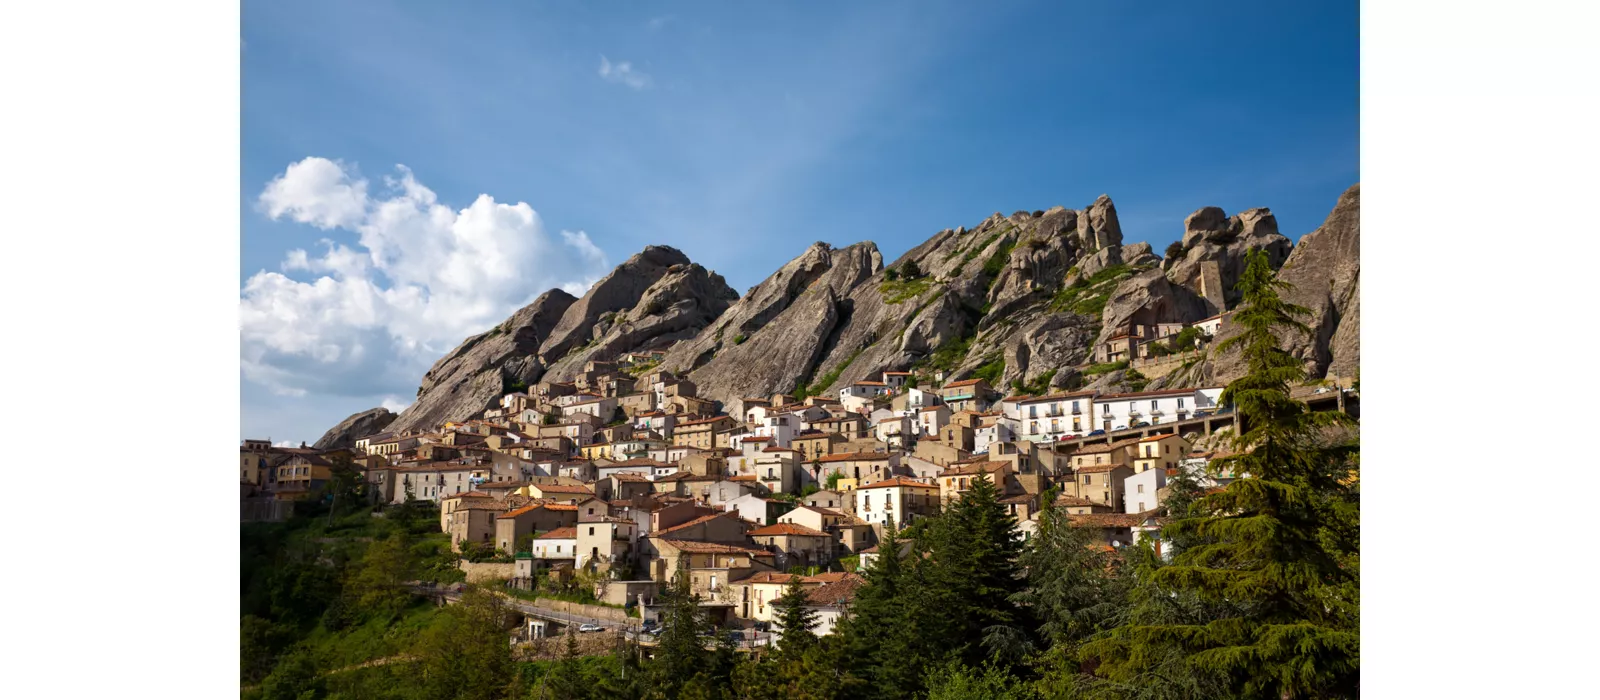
(369, 318)
(623, 72)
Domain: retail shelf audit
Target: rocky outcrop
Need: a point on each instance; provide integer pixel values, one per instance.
(682, 301)
(819, 266)
(1324, 272)
(618, 291)
(1214, 245)
(469, 378)
(777, 357)
(360, 425)
(1098, 226)
(1145, 298)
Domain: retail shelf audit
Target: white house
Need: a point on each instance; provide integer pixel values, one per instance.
(864, 388)
(1119, 411)
(1000, 430)
(896, 500)
(855, 403)
(781, 427)
(603, 408)
(917, 399)
(931, 419)
(1054, 416)
(895, 380)
(894, 431)
(1210, 326)
(1139, 491)
(560, 543)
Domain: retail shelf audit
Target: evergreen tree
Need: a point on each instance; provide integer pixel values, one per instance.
(1183, 491)
(975, 557)
(680, 650)
(466, 654)
(565, 679)
(795, 620)
(1272, 573)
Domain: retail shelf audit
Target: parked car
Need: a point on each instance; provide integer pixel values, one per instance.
(590, 627)
(1095, 432)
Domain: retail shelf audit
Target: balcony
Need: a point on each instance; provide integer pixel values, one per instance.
(1134, 412)
(1077, 411)
(1055, 413)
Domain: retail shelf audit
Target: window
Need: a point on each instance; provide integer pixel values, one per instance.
(1141, 490)
(1153, 404)
(1180, 403)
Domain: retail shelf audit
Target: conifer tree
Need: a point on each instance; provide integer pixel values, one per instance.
(565, 680)
(975, 559)
(1272, 568)
(680, 651)
(796, 621)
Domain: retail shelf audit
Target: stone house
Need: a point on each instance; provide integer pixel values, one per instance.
(701, 432)
(1103, 483)
(757, 508)
(816, 443)
(510, 527)
(795, 544)
(967, 395)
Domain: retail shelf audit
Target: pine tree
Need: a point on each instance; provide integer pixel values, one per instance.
(680, 651)
(975, 558)
(565, 680)
(1273, 572)
(796, 621)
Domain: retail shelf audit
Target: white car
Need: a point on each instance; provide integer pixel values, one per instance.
(590, 627)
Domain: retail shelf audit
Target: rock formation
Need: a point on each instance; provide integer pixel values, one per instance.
(469, 378)
(360, 425)
(1010, 299)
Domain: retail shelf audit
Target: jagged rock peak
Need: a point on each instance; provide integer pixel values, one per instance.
(1098, 226)
(357, 426)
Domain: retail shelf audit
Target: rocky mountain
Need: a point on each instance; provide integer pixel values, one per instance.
(467, 379)
(652, 299)
(1019, 300)
(360, 425)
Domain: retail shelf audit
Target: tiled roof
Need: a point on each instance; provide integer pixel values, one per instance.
(839, 592)
(962, 383)
(771, 577)
(787, 529)
(973, 468)
(899, 481)
(630, 476)
(1075, 501)
(1099, 449)
(697, 521)
(1163, 436)
(469, 494)
(775, 448)
(697, 547)
(1139, 394)
(1050, 397)
(1110, 520)
(560, 533)
(703, 421)
(1024, 498)
(563, 488)
(743, 477)
(638, 462)
(851, 456)
(1097, 468)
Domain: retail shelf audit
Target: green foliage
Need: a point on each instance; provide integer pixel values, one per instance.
(1088, 296)
(550, 419)
(992, 370)
(680, 653)
(974, 250)
(295, 677)
(891, 274)
(1135, 380)
(827, 380)
(1185, 339)
(832, 480)
(740, 338)
(808, 489)
(948, 356)
(1039, 386)
(997, 261)
(1175, 250)
(957, 681)
(1104, 367)
(796, 621)
(910, 270)
(618, 417)
(477, 551)
(466, 655)
(898, 291)
(1271, 571)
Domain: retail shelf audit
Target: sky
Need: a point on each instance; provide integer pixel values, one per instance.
(413, 172)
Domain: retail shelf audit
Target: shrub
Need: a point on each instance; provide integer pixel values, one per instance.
(739, 339)
(910, 270)
(1175, 251)
(891, 274)
(1105, 367)
(990, 371)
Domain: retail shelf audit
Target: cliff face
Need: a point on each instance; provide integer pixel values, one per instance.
(1011, 299)
(357, 426)
(472, 376)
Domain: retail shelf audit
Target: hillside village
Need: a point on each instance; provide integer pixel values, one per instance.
(625, 475)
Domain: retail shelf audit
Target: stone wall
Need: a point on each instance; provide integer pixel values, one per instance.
(598, 611)
(487, 571)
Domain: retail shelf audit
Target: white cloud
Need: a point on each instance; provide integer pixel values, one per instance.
(394, 405)
(623, 72)
(419, 280)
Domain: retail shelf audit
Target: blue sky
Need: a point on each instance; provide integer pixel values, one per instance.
(737, 132)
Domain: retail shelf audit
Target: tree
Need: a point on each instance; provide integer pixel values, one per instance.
(910, 270)
(295, 677)
(680, 649)
(955, 681)
(796, 620)
(378, 582)
(1274, 568)
(565, 679)
(466, 653)
(976, 554)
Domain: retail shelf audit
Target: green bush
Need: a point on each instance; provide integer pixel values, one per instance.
(990, 371)
(895, 292)
(910, 270)
(891, 274)
(1105, 367)
(1038, 387)
(739, 339)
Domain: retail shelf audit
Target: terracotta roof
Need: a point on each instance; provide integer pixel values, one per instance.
(1027, 398)
(850, 456)
(899, 481)
(1097, 468)
(928, 409)
(1075, 501)
(775, 448)
(870, 550)
(469, 494)
(1024, 498)
(839, 592)
(697, 521)
(899, 373)
(1109, 520)
(563, 488)
(638, 462)
(630, 476)
(697, 547)
(755, 438)
(787, 529)
(560, 533)
(866, 382)
(1162, 436)
(771, 577)
(1135, 395)
(703, 421)
(973, 468)
(890, 419)
(743, 477)
(964, 382)
(1098, 449)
